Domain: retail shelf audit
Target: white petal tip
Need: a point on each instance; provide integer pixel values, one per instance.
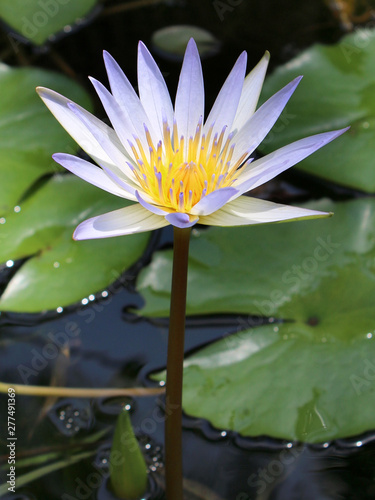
(57, 156)
(43, 92)
(75, 235)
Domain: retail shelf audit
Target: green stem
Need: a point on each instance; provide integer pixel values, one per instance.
(173, 408)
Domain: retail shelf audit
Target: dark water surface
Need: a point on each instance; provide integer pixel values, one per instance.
(109, 347)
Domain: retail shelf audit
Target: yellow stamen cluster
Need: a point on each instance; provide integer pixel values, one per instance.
(177, 177)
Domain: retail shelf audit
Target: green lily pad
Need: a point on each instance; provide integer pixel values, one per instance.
(37, 20)
(285, 381)
(310, 378)
(61, 271)
(258, 270)
(29, 134)
(338, 89)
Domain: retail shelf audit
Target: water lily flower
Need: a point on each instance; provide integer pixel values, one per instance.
(179, 168)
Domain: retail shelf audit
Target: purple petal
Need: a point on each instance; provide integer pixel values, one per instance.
(181, 220)
(153, 91)
(149, 206)
(257, 127)
(128, 220)
(225, 107)
(189, 105)
(120, 182)
(248, 211)
(115, 154)
(118, 115)
(127, 98)
(250, 93)
(268, 167)
(59, 107)
(213, 201)
(94, 175)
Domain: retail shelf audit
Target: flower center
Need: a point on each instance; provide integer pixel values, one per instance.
(176, 174)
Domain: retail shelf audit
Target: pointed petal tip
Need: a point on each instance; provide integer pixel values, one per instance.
(334, 134)
(191, 48)
(243, 57)
(57, 156)
(142, 47)
(75, 235)
(108, 59)
(95, 83)
(60, 157)
(317, 214)
(296, 80)
(341, 131)
(192, 43)
(42, 91)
